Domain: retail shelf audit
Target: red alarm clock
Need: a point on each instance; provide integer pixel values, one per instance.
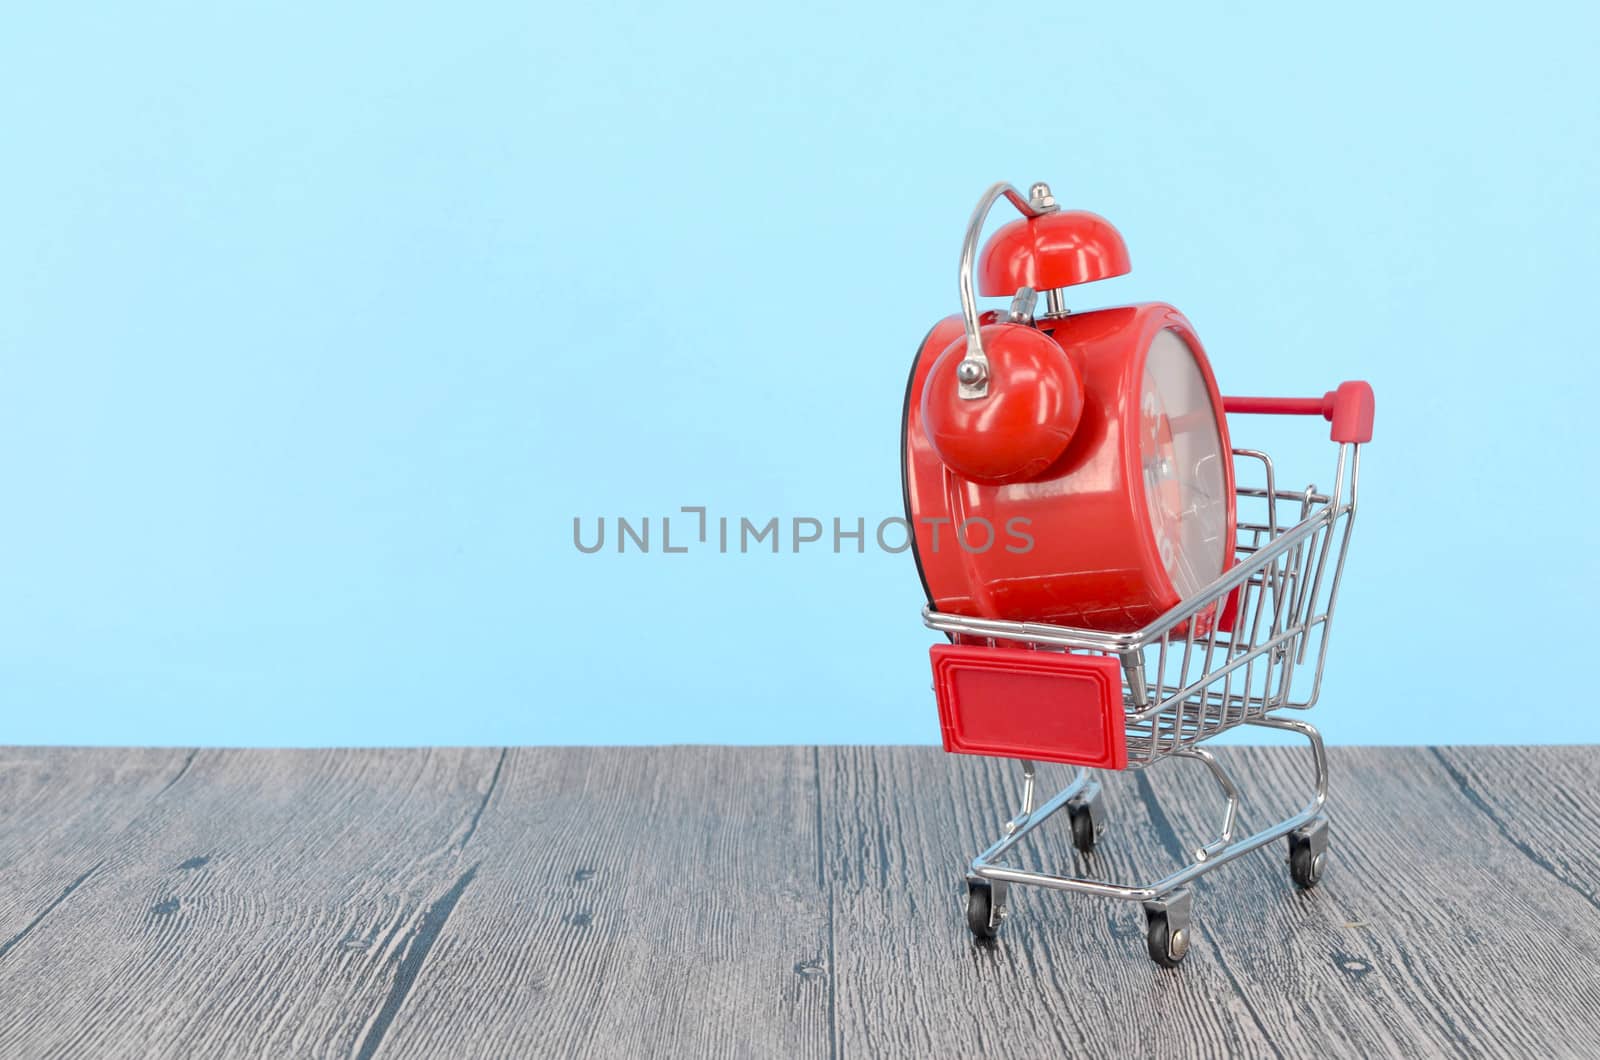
(1070, 467)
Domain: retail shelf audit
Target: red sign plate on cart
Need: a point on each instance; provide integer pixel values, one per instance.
(1047, 706)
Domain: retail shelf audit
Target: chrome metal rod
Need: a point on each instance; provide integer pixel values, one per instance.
(1027, 823)
(985, 866)
(979, 386)
(1229, 789)
(1027, 798)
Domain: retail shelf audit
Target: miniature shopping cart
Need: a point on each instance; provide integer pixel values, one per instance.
(1043, 692)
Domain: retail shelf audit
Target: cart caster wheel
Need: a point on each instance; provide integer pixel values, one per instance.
(1308, 853)
(986, 907)
(1168, 932)
(1088, 823)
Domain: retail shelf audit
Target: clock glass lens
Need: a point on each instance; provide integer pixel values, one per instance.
(1181, 453)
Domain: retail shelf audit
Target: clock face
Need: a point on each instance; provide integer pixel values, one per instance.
(1180, 451)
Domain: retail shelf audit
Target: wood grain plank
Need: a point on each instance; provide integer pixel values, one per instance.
(1545, 801)
(636, 902)
(773, 901)
(271, 903)
(1067, 976)
(60, 808)
(1431, 934)
(1426, 938)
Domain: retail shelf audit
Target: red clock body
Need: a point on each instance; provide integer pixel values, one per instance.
(1134, 513)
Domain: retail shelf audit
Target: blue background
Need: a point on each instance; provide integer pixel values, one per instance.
(320, 323)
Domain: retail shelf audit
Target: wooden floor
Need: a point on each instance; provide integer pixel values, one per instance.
(772, 902)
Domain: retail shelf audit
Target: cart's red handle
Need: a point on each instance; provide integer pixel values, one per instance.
(1349, 409)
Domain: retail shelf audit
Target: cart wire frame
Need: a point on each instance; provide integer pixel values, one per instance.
(1185, 682)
